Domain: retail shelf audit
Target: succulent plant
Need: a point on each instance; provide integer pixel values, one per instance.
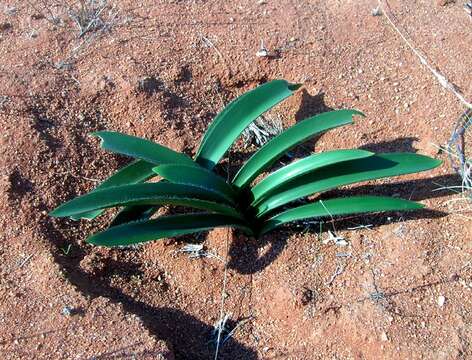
(255, 207)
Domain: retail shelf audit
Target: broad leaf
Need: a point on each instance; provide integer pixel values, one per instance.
(141, 149)
(290, 138)
(135, 172)
(231, 122)
(146, 194)
(134, 213)
(146, 150)
(271, 183)
(374, 167)
(164, 227)
(340, 206)
(196, 176)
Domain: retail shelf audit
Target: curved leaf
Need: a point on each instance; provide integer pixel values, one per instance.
(146, 194)
(135, 172)
(146, 150)
(133, 213)
(231, 122)
(339, 206)
(286, 141)
(271, 183)
(163, 227)
(374, 167)
(196, 176)
(141, 149)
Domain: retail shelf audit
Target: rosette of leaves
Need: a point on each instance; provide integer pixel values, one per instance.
(254, 207)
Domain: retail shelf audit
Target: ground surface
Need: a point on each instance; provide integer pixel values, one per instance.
(63, 299)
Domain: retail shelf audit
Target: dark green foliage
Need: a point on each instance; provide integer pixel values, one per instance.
(252, 209)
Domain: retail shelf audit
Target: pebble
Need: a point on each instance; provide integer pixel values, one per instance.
(441, 300)
(384, 336)
(444, 2)
(67, 311)
(377, 11)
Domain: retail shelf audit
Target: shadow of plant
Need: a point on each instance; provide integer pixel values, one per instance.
(189, 337)
(244, 253)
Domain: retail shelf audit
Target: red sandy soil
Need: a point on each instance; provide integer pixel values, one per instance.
(153, 302)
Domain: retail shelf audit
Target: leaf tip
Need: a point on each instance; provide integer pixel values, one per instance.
(157, 169)
(96, 134)
(294, 87)
(95, 240)
(358, 112)
(438, 162)
(55, 213)
(420, 205)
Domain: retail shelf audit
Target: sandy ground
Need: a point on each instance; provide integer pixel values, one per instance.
(401, 289)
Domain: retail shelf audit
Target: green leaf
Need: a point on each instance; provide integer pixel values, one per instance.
(271, 183)
(339, 206)
(151, 154)
(146, 194)
(231, 122)
(133, 213)
(135, 172)
(164, 227)
(141, 148)
(196, 176)
(354, 171)
(286, 141)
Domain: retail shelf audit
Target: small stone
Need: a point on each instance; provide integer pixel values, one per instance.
(377, 11)
(384, 336)
(262, 53)
(441, 300)
(445, 2)
(67, 311)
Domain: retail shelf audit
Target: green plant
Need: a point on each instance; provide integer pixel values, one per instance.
(255, 209)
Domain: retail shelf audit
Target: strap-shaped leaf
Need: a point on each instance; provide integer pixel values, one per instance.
(141, 149)
(271, 183)
(374, 167)
(290, 138)
(231, 122)
(146, 194)
(339, 206)
(164, 227)
(196, 176)
(137, 171)
(134, 213)
(149, 152)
